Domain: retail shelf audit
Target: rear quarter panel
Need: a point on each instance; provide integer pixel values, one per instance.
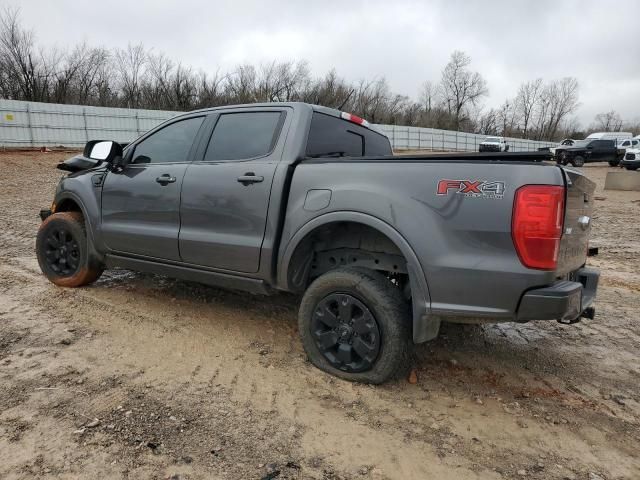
(463, 242)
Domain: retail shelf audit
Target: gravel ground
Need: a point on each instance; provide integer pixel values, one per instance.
(141, 376)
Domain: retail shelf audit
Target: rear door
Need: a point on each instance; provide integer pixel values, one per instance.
(603, 150)
(141, 204)
(577, 221)
(225, 193)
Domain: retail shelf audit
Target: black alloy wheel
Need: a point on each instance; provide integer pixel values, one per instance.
(62, 252)
(346, 333)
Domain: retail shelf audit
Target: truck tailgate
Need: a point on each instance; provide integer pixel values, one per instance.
(577, 221)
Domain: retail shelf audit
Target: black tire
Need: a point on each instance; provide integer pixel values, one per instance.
(577, 161)
(63, 251)
(633, 169)
(614, 163)
(562, 158)
(383, 327)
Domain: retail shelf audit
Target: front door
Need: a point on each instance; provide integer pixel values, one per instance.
(141, 204)
(225, 194)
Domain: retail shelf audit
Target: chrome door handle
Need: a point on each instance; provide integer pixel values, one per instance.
(249, 178)
(165, 179)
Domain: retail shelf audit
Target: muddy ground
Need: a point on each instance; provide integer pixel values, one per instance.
(141, 376)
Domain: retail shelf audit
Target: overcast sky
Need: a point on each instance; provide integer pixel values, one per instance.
(407, 42)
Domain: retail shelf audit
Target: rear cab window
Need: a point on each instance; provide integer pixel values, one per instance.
(329, 135)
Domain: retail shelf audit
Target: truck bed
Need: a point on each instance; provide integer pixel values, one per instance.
(463, 240)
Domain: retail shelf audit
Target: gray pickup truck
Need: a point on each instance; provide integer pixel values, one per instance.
(300, 198)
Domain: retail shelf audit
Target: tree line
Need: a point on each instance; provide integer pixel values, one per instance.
(136, 77)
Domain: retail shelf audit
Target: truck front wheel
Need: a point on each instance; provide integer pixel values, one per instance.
(577, 161)
(63, 251)
(355, 325)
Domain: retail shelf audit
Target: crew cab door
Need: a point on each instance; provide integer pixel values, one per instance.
(602, 150)
(141, 204)
(225, 193)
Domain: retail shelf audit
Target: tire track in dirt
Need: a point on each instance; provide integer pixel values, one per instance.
(490, 400)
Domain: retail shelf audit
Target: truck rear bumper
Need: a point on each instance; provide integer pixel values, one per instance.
(566, 301)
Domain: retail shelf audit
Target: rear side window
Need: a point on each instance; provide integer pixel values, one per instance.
(330, 135)
(604, 143)
(240, 136)
(170, 144)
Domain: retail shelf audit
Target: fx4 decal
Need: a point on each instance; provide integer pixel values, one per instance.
(472, 188)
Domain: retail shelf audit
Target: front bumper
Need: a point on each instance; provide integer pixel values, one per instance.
(488, 148)
(566, 301)
(630, 163)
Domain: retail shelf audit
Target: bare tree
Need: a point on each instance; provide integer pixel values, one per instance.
(130, 65)
(526, 101)
(23, 73)
(136, 78)
(508, 118)
(461, 87)
(488, 122)
(608, 121)
(429, 95)
(565, 102)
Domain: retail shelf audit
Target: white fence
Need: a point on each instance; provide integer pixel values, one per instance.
(33, 124)
(418, 138)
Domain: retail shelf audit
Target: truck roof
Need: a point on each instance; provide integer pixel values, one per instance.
(609, 135)
(296, 105)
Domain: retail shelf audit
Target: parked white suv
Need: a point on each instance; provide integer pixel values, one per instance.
(493, 144)
(631, 159)
(628, 143)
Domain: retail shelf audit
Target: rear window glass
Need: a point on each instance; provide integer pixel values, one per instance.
(330, 135)
(240, 136)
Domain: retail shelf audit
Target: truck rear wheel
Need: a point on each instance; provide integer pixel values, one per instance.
(354, 324)
(577, 161)
(63, 251)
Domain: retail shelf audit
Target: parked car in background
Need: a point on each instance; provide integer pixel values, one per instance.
(306, 199)
(631, 159)
(609, 136)
(493, 144)
(589, 150)
(566, 142)
(628, 143)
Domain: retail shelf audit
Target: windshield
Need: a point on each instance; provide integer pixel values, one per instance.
(492, 139)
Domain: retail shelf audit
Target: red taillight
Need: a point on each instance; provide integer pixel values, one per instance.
(350, 117)
(536, 226)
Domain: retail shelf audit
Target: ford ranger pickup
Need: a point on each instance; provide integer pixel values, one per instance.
(305, 199)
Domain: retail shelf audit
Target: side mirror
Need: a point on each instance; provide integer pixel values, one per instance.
(94, 154)
(102, 150)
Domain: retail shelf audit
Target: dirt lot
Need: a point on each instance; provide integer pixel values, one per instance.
(140, 376)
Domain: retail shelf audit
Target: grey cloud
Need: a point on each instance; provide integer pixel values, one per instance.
(405, 41)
